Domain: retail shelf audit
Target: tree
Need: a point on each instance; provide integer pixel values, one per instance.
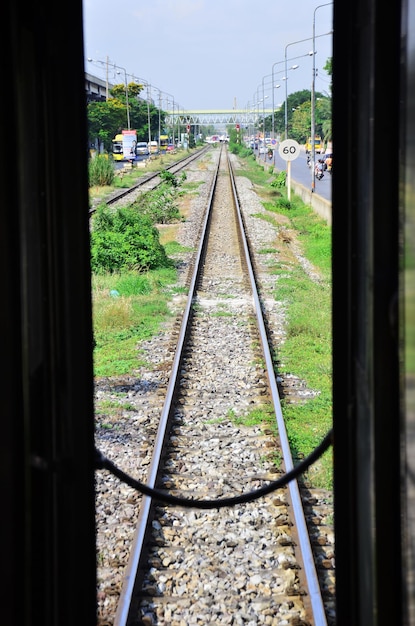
(104, 121)
(328, 68)
(301, 122)
(299, 116)
(294, 101)
(323, 117)
(107, 119)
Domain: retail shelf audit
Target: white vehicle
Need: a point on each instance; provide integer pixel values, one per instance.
(142, 148)
(153, 147)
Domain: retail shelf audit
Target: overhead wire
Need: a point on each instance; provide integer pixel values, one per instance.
(102, 462)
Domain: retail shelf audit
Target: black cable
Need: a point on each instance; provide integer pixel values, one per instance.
(103, 463)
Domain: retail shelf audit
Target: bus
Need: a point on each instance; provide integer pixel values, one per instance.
(317, 145)
(164, 142)
(117, 148)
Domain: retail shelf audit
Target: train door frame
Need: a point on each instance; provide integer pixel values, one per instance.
(368, 143)
(47, 443)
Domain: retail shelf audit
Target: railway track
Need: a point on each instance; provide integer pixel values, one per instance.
(226, 382)
(151, 180)
(228, 565)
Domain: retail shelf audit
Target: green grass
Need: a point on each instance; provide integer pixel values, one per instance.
(306, 352)
(259, 416)
(127, 308)
(172, 247)
(192, 187)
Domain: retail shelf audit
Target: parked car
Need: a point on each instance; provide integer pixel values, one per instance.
(141, 148)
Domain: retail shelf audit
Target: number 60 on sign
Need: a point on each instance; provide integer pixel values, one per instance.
(289, 149)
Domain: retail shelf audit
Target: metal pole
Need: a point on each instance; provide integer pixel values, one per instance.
(263, 115)
(257, 113)
(126, 98)
(167, 101)
(286, 88)
(273, 103)
(149, 119)
(159, 118)
(126, 92)
(173, 126)
(106, 82)
(313, 114)
(272, 74)
(286, 96)
(313, 103)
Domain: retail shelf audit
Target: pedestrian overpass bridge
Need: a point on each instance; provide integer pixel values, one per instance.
(216, 117)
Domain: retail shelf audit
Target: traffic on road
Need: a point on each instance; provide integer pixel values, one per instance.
(300, 171)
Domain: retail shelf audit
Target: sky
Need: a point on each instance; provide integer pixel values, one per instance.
(210, 54)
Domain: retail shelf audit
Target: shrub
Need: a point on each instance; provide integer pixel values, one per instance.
(280, 180)
(169, 177)
(159, 204)
(125, 240)
(283, 203)
(101, 171)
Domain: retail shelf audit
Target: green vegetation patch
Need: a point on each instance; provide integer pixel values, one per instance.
(173, 247)
(127, 308)
(259, 416)
(306, 352)
(125, 240)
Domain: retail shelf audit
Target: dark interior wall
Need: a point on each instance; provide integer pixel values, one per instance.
(47, 404)
(367, 117)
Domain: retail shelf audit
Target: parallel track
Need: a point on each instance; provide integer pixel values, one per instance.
(152, 180)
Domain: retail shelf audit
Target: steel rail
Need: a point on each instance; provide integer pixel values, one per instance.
(123, 609)
(303, 536)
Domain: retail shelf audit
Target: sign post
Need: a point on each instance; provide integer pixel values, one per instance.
(289, 150)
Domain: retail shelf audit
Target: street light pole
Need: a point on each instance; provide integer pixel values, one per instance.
(255, 108)
(149, 117)
(294, 67)
(169, 94)
(312, 53)
(159, 119)
(263, 112)
(258, 102)
(126, 86)
(147, 84)
(106, 81)
(313, 103)
(126, 94)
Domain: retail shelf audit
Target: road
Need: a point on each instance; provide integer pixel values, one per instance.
(301, 173)
(120, 164)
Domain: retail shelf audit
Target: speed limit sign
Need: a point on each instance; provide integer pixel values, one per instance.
(289, 149)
